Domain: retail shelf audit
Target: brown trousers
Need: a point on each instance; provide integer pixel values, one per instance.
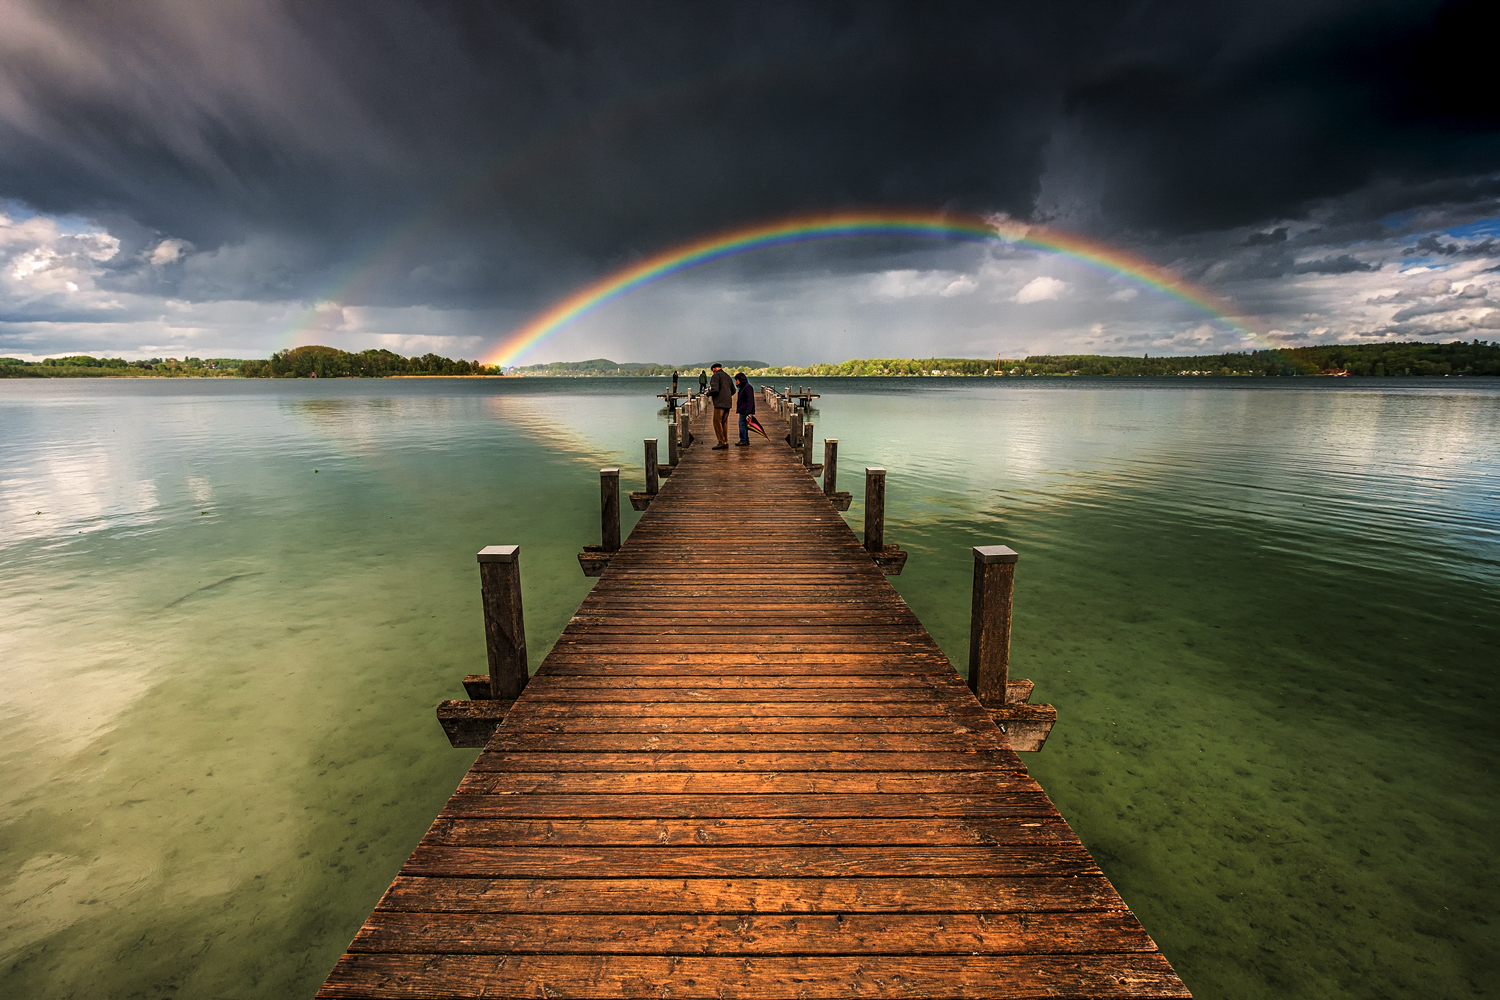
(721, 425)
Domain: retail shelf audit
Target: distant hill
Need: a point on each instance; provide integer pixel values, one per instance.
(728, 364)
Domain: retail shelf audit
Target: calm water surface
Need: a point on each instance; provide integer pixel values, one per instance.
(1266, 611)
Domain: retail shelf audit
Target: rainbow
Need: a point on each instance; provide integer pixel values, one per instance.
(853, 225)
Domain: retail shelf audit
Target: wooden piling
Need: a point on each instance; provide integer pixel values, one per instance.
(609, 509)
(830, 466)
(504, 626)
(672, 435)
(874, 509)
(989, 623)
(807, 445)
(652, 480)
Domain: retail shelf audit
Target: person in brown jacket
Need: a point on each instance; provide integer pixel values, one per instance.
(721, 391)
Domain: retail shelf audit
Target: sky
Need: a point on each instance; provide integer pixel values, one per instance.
(227, 179)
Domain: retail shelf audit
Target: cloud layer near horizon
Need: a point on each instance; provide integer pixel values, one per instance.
(223, 179)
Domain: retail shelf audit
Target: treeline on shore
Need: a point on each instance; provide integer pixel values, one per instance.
(1456, 358)
(330, 362)
(313, 361)
(84, 366)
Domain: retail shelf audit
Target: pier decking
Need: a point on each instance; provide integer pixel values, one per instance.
(746, 770)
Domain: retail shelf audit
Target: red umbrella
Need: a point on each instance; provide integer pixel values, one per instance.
(755, 426)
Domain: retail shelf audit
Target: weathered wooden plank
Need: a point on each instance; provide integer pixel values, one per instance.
(811, 663)
(789, 742)
(797, 895)
(1002, 977)
(832, 760)
(582, 697)
(746, 783)
(754, 934)
(468, 831)
(896, 706)
(664, 724)
(1018, 803)
(767, 861)
(551, 685)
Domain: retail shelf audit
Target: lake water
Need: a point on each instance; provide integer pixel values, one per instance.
(1265, 609)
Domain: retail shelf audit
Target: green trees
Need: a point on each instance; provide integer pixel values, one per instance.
(317, 361)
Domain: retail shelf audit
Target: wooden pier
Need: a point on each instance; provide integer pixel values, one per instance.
(747, 771)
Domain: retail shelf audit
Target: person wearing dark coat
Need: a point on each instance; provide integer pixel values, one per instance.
(721, 389)
(744, 406)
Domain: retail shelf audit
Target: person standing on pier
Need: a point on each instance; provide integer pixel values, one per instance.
(674, 383)
(702, 381)
(721, 388)
(745, 407)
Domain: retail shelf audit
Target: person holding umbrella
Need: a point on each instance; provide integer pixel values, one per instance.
(745, 407)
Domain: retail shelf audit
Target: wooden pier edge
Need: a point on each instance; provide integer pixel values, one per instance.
(745, 770)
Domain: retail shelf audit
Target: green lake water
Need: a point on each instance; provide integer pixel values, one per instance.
(1265, 609)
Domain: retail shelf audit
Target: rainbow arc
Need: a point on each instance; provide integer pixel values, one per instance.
(855, 225)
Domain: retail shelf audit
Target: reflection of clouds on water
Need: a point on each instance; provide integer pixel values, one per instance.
(554, 422)
(363, 425)
(201, 489)
(1390, 465)
(64, 491)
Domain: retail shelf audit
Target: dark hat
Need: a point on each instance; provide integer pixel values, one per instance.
(741, 377)
(716, 366)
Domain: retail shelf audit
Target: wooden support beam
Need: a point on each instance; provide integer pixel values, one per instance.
(653, 484)
(674, 438)
(504, 626)
(807, 445)
(472, 723)
(1025, 726)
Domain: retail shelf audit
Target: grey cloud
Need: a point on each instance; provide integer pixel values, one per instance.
(1342, 264)
(1433, 244)
(1277, 235)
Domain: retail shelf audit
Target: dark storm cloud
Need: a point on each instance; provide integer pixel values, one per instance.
(467, 152)
(1342, 264)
